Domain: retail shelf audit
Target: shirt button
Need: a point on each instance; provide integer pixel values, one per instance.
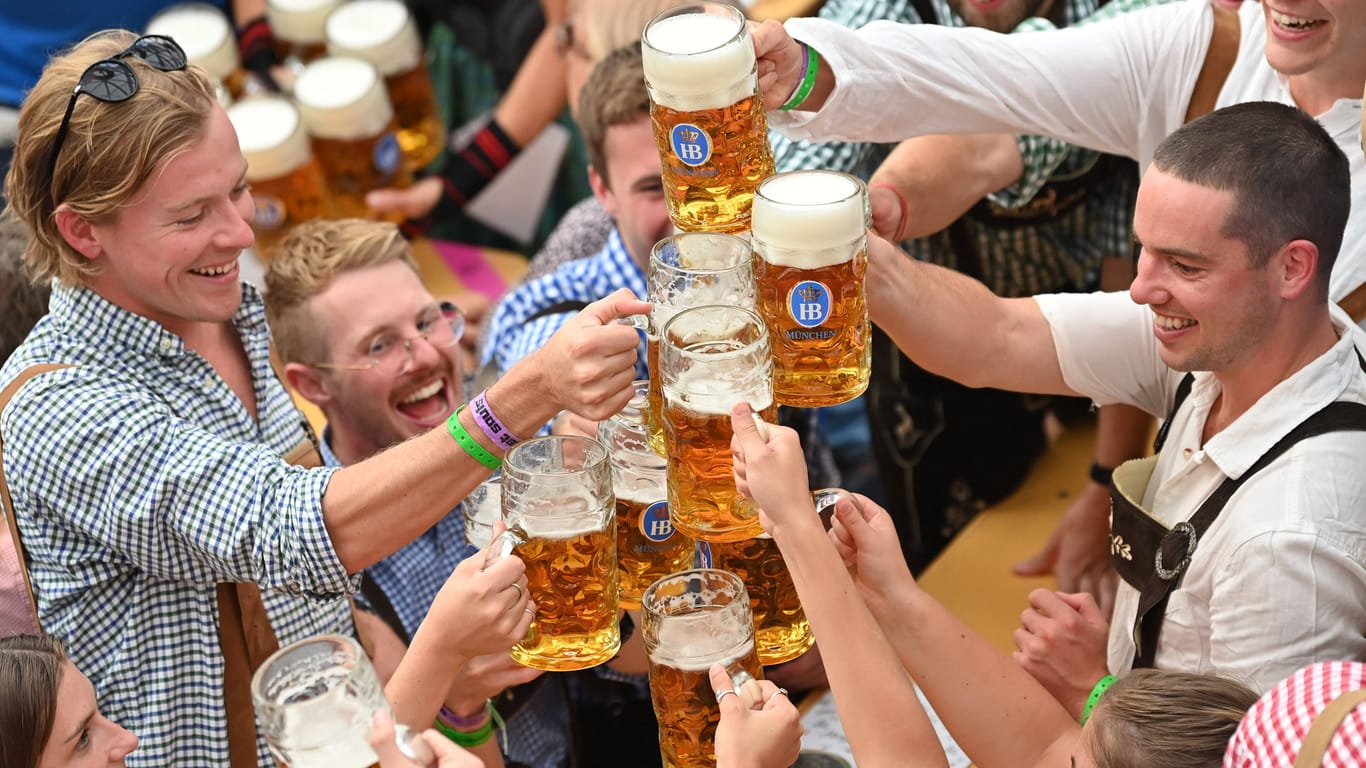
(293, 588)
(209, 381)
(166, 344)
(1186, 453)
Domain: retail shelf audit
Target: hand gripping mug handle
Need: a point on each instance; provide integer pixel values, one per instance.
(501, 547)
(413, 747)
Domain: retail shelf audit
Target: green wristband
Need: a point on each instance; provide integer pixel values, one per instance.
(467, 441)
(1094, 698)
(474, 738)
(812, 63)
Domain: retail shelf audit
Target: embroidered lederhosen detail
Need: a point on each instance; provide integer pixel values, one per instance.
(1152, 558)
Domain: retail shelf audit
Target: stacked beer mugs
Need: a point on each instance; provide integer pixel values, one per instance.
(685, 271)
(287, 185)
(382, 32)
(709, 121)
(811, 253)
(206, 35)
(648, 546)
(298, 28)
(560, 512)
(694, 619)
(347, 111)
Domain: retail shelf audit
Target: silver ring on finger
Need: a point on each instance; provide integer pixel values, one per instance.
(723, 694)
(774, 695)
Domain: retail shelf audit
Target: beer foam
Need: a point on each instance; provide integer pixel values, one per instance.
(641, 489)
(559, 518)
(698, 61)
(342, 98)
(693, 642)
(299, 21)
(808, 219)
(703, 392)
(380, 31)
(203, 32)
(271, 137)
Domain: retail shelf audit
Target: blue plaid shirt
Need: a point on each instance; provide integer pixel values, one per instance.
(511, 338)
(139, 482)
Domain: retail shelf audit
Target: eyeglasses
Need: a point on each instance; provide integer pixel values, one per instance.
(112, 81)
(391, 354)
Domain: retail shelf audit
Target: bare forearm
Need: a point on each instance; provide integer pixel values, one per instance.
(537, 95)
(941, 177)
(1122, 433)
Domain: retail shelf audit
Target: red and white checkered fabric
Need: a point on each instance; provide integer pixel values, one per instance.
(1271, 733)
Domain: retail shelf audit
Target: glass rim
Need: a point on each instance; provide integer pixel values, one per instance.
(335, 641)
(751, 318)
(597, 455)
(724, 575)
(744, 253)
(860, 188)
(726, 10)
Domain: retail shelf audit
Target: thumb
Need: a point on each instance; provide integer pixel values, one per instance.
(744, 422)
(619, 303)
(852, 517)
(720, 682)
(1040, 564)
(1084, 603)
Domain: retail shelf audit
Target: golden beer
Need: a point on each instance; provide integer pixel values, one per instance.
(711, 357)
(709, 121)
(648, 546)
(382, 32)
(572, 579)
(690, 270)
(560, 513)
(810, 258)
(287, 185)
(346, 109)
(692, 620)
(298, 28)
(781, 631)
(206, 35)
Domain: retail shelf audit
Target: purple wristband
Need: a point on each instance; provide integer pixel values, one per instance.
(464, 724)
(495, 429)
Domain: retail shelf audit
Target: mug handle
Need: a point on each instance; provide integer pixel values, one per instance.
(825, 500)
(413, 747)
(501, 547)
(638, 322)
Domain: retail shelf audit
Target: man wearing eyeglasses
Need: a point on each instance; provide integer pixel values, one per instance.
(146, 472)
(384, 371)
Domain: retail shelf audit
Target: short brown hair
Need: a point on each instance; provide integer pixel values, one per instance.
(1164, 719)
(30, 673)
(109, 152)
(309, 257)
(614, 95)
(25, 302)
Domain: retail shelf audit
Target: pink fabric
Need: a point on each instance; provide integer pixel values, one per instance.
(1271, 733)
(16, 612)
(467, 263)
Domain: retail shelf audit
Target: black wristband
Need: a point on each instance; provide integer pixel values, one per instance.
(465, 174)
(1101, 475)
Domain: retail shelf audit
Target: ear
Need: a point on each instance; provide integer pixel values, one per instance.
(1297, 268)
(308, 382)
(602, 192)
(78, 232)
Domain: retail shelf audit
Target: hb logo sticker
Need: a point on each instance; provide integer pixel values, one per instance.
(655, 524)
(809, 303)
(690, 144)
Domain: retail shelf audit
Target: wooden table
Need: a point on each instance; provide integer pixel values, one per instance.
(782, 10)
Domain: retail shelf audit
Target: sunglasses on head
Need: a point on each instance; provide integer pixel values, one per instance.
(111, 80)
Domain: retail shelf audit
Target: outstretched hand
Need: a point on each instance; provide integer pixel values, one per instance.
(589, 364)
(866, 540)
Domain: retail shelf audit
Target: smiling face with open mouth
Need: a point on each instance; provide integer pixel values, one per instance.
(1326, 37)
(373, 408)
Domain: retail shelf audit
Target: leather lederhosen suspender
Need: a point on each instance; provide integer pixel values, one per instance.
(1152, 558)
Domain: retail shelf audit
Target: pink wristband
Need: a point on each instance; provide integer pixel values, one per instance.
(495, 429)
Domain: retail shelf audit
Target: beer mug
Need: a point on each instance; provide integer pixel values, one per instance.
(298, 28)
(287, 184)
(648, 547)
(315, 701)
(347, 111)
(690, 270)
(691, 620)
(206, 35)
(781, 631)
(481, 509)
(711, 358)
(382, 32)
(560, 514)
(810, 257)
(709, 122)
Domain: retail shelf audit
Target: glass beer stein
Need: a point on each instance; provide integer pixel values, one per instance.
(690, 270)
(298, 28)
(691, 620)
(347, 111)
(648, 547)
(382, 32)
(781, 631)
(561, 518)
(206, 35)
(315, 700)
(710, 358)
(287, 185)
(810, 257)
(709, 121)
(482, 508)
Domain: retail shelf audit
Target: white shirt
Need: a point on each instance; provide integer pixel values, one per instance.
(1279, 579)
(1119, 86)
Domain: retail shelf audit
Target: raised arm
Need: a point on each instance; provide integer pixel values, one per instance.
(939, 177)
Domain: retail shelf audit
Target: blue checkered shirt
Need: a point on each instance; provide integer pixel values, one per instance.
(139, 482)
(511, 338)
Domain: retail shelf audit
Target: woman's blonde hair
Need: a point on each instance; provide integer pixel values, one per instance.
(109, 152)
(306, 262)
(1163, 719)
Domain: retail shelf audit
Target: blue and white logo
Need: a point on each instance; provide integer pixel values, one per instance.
(809, 303)
(691, 144)
(655, 524)
(270, 212)
(387, 154)
(702, 557)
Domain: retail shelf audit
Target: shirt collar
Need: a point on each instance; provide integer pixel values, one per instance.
(1327, 378)
(615, 253)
